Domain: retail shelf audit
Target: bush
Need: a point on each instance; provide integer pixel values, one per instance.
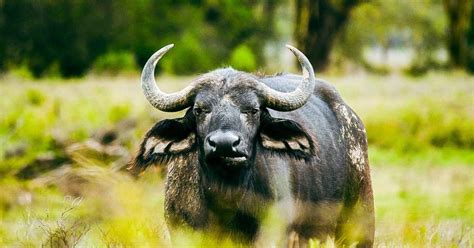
(114, 63)
(190, 56)
(242, 58)
(68, 36)
(118, 112)
(35, 97)
(421, 125)
(21, 72)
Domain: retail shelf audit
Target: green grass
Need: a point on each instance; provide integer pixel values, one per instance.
(421, 151)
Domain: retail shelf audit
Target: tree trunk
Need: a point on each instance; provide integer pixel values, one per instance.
(317, 24)
(459, 22)
(269, 7)
(470, 43)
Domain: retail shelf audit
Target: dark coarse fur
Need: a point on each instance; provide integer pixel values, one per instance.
(311, 163)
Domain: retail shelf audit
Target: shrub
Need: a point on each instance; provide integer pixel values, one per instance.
(35, 97)
(190, 56)
(420, 125)
(21, 72)
(242, 58)
(114, 63)
(118, 112)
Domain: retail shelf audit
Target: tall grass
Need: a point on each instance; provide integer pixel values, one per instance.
(421, 147)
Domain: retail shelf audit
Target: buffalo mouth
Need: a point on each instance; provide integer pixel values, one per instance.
(236, 159)
(233, 159)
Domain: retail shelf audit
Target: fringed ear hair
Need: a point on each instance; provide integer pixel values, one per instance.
(166, 140)
(285, 137)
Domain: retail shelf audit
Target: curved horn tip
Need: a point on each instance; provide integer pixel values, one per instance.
(307, 67)
(299, 55)
(292, 48)
(157, 55)
(167, 47)
(289, 46)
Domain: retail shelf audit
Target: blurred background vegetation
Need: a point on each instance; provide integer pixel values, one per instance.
(72, 38)
(72, 111)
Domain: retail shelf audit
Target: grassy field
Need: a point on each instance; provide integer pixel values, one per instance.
(63, 146)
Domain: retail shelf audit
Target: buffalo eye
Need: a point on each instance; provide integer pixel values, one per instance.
(200, 111)
(250, 111)
(197, 111)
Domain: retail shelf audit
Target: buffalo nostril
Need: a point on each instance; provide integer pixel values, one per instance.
(236, 143)
(211, 142)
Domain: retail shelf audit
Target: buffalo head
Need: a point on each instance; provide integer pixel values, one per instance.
(228, 120)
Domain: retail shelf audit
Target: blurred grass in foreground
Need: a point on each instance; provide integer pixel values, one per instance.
(420, 132)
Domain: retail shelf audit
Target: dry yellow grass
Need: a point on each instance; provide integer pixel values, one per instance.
(423, 197)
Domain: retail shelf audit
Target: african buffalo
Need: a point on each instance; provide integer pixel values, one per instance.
(252, 144)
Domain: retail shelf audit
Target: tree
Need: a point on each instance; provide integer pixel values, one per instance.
(460, 46)
(317, 24)
(470, 44)
(403, 25)
(67, 37)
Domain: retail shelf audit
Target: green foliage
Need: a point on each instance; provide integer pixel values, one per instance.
(242, 58)
(69, 36)
(114, 63)
(35, 97)
(119, 112)
(421, 125)
(21, 72)
(189, 56)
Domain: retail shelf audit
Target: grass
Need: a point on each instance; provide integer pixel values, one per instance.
(421, 152)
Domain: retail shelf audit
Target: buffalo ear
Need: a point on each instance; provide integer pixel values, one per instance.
(166, 140)
(286, 137)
